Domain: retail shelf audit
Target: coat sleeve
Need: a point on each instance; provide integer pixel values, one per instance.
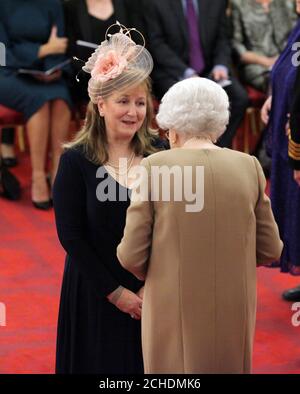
(57, 19)
(268, 243)
(135, 247)
(69, 197)
(294, 137)
(222, 52)
(164, 56)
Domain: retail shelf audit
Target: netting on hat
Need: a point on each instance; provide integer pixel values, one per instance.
(117, 64)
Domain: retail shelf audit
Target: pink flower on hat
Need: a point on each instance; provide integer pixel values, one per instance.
(108, 66)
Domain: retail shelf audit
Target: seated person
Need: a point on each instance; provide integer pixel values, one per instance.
(43, 100)
(189, 38)
(260, 31)
(88, 21)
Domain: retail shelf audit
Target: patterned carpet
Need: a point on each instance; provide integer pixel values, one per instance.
(31, 264)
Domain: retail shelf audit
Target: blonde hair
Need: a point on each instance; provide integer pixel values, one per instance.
(92, 137)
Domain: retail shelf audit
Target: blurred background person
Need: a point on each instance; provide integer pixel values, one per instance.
(294, 161)
(88, 20)
(285, 192)
(260, 32)
(100, 307)
(199, 265)
(189, 38)
(44, 101)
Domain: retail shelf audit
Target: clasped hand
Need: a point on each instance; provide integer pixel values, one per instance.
(131, 303)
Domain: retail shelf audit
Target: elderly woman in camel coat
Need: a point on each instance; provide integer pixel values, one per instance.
(198, 260)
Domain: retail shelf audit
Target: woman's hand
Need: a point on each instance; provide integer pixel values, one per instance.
(270, 61)
(265, 110)
(287, 127)
(55, 45)
(130, 303)
(297, 176)
(140, 293)
(219, 73)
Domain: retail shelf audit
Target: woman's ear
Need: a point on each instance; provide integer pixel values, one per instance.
(100, 105)
(172, 137)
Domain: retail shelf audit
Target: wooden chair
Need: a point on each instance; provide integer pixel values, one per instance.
(252, 124)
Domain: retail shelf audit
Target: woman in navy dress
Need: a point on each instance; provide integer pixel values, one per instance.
(100, 307)
(285, 193)
(32, 32)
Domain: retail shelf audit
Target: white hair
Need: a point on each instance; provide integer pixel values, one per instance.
(196, 106)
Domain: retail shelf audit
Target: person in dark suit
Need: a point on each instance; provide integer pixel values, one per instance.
(294, 137)
(279, 110)
(88, 21)
(294, 161)
(189, 38)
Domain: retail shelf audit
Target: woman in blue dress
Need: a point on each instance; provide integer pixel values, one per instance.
(32, 32)
(285, 192)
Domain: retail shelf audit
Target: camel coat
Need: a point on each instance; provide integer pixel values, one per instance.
(199, 306)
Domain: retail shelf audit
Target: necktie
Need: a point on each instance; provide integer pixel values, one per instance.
(196, 53)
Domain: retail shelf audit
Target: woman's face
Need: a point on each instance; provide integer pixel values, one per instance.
(298, 7)
(124, 112)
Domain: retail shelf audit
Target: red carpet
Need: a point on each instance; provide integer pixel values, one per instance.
(31, 264)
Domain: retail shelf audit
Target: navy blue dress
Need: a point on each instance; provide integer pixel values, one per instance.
(285, 193)
(25, 25)
(93, 335)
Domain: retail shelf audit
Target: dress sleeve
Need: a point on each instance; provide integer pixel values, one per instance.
(134, 249)
(21, 54)
(237, 26)
(268, 243)
(57, 20)
(69, 197)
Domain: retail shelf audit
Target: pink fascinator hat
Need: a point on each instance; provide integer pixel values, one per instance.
(117, 63)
